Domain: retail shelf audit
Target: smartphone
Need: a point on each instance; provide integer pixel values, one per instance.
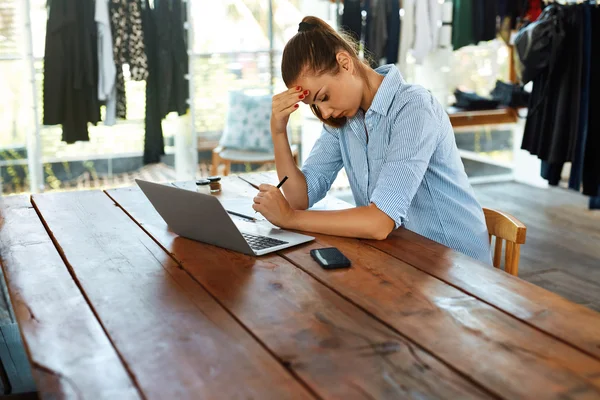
(330, 258)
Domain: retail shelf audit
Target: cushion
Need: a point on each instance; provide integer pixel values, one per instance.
(247, 126)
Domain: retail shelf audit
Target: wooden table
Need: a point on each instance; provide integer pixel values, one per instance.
(112, 305)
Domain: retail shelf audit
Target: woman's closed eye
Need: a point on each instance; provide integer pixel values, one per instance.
(324, 98)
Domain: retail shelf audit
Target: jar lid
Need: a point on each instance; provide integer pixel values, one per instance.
(214, 178)
(202, 182)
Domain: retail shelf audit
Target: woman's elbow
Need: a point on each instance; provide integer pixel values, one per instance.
(380, 231)
(381, 234)
(380, 225)
(299, 205)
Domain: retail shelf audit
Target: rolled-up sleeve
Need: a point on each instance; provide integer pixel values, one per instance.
(414, 138)
(322, 165)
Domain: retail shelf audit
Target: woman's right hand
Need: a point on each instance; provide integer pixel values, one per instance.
(284, 104)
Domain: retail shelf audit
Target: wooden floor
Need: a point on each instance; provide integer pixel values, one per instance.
(562, 253)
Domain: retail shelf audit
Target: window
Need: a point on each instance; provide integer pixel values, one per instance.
(231, 50)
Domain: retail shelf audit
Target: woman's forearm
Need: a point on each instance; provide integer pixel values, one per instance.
(295, 189)
(366, 222)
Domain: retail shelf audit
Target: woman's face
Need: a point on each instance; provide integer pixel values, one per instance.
(336, 95)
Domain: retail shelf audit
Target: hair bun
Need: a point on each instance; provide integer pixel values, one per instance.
(305, 27)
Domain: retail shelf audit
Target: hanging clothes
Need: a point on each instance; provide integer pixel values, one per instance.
(591, 163)
(376, 34)
(534, 10)
(475, 21)
(553, 123)
(128, 46)
(352, 19)
(167, 87)
(578, 155)
(173, 57)
(70, 89)
(485, 13)
(462, 24)
(407, 33)
(561, 125)
(107, 71)
(382, 31)
(512, 11)
(427, 17)
(393, 23)
(154, 145)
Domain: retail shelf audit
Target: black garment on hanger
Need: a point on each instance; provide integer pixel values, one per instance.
(376, 34)
(553, 122)
(352, 19)
(393, 24)
(579, 152)
(484, 20)
(167, 88)
(556, 129)
(591, 164)
(71, 68)
(154, 144)
(172, 57)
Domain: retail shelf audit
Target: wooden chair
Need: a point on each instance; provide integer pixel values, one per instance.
(507, 228)
(221, 155)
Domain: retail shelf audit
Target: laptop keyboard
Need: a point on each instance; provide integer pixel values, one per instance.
(261, 242)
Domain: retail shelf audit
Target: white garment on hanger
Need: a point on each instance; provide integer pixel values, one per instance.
(107, 70)
(428, 14)
(407, 33)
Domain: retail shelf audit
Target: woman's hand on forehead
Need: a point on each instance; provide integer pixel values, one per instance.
(283, 105)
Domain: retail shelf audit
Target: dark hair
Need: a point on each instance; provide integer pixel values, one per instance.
(314, 49)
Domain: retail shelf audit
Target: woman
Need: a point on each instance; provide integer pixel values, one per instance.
(394, 140)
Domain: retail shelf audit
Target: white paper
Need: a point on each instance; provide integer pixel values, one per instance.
(243, 206)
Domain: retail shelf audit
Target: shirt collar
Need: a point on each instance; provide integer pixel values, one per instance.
(387, 90)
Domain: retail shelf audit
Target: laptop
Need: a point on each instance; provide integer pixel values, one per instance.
(203, 218)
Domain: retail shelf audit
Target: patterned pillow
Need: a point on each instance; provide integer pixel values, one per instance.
(248, 123)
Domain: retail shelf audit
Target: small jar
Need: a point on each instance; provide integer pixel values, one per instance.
(203, 186)
(215, 184)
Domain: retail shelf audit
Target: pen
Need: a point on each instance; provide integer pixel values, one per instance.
(282, 182)
(241, 215)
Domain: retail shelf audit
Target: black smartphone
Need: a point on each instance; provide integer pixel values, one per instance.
(330, 258)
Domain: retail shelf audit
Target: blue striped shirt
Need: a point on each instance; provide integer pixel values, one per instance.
(408, 165)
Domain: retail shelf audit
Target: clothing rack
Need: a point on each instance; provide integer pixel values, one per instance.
(568, 2)
(561, 128)
(572, 2)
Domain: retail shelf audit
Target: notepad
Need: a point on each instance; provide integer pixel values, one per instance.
(243, 206)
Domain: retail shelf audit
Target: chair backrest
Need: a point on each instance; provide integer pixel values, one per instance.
(505, 227)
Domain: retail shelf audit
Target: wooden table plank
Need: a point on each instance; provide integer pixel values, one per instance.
(176, 340)
(508, 357)
(63, 338)
(337, 349)
(570, 322)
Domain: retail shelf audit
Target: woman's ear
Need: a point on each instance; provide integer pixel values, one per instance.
(345, 61)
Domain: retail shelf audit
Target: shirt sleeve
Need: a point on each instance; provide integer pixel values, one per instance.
(322, 165)
(413, 141)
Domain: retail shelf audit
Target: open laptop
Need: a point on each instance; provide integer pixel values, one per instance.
(201, 217)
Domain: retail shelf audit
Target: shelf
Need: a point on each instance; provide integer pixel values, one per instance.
(460, 118)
